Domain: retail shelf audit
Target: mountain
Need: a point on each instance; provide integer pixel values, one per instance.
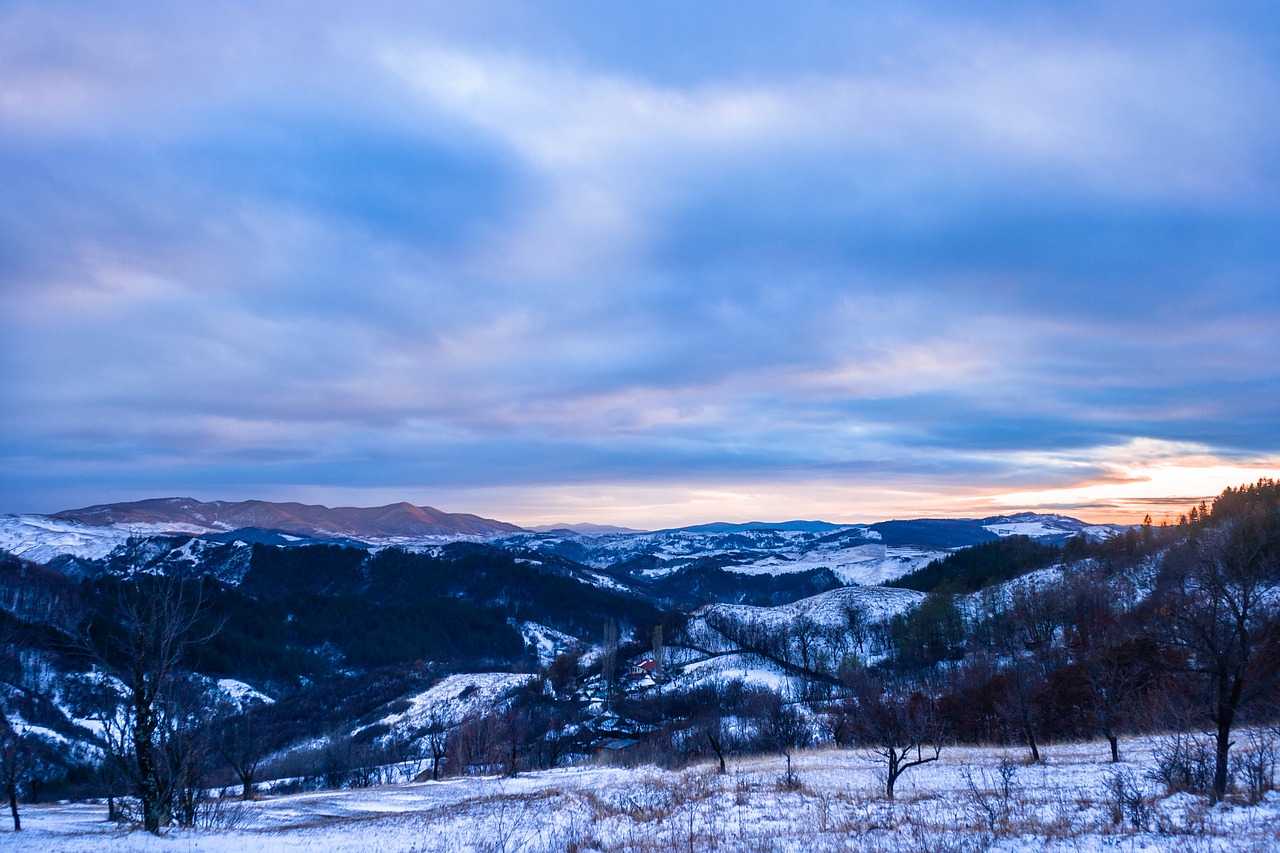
(192, 516)
(730, 527)
(585, 528)
(746, 563)
(1048, 528)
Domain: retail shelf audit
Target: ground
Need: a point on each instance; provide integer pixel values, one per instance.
(1067, 804)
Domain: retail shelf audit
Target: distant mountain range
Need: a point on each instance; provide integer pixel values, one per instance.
(584, 527)
(400, 519)
(854, 552)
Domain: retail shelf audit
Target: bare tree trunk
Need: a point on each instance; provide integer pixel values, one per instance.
(148, 773)
(718, 748)
(1031, 742)
(1226, 716)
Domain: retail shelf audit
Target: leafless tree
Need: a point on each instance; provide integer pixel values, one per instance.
(12, 746)
(609, 659)
(805, 633)
(785, 731)
(857, 626)
(898, 725)
(709, 721)
(1222, 614)
(13, 759)
(186, 747)
(658, 650)
(476, 744)
(142, 640)
(240, 744)
(1019, 701)
(435, 737)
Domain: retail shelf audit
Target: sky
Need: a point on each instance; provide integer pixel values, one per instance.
(642, 263)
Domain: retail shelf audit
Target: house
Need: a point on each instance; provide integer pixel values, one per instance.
(646, 668)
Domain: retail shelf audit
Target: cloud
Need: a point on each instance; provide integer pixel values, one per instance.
(427, 249)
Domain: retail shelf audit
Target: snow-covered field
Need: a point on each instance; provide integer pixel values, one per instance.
(955, 805)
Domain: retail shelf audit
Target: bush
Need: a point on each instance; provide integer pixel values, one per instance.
(1184, 763)
(1255, 765)
(1125, 800)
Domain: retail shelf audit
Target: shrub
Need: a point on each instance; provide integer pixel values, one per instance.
(1184, 763)
(1255, 766)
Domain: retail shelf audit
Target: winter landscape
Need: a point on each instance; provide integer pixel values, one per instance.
(958, 684)
(647, 426)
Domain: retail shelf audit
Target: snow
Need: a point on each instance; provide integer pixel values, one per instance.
(861, 564)
(547, 642)
(242, 694)
(41, 539)
(605, 582)
(1063, 805)
(752, 670)
(681, 547)
(20, 725)
(454, 698)
(1049, 527)
(828, 609)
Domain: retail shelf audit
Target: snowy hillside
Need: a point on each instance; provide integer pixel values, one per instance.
(1048, 528)
(40, 538)
(453, 699)
(829, 610)
(867, 564)
(674, 548)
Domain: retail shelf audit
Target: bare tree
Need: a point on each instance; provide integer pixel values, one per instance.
(1118, 685)
(475, 745)
(186, 747)
(435, 737)
(241, 746)
(143, 639)
(1104, 653)
(657, 653)
(13, 760)
(1221, 614)
(708, 723)
(100, 698)
(609, 660)
(1018, 702)
(785, 730)
(857, 625)
(805, 633)
(899, 726)
(12, 746)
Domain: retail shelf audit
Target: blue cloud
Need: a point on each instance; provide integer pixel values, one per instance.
(446, 246)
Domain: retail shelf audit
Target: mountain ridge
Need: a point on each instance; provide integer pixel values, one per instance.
(397, 519)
